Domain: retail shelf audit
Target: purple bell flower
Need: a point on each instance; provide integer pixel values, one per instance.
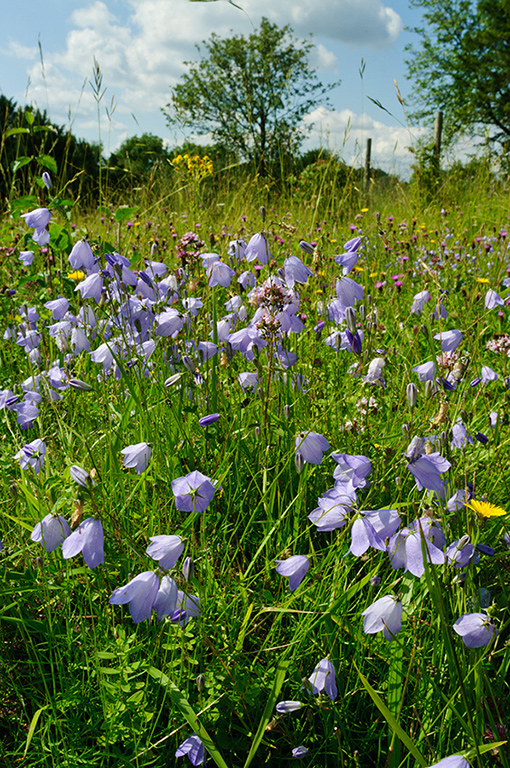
(137, 456)
(384, 615)
(51, 532)
(323, 679)
(193, 492)
(295, 568)
(166, 550)
(476, 629)
(87, 538)
(311, 446)
(140, 593)
(194, 748)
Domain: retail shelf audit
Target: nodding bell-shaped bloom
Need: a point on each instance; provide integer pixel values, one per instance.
(295, 568)
(295, 271)
(32, 455)
(58, 307)
(332, 512)
(450, 340)
(87, 538)
(82, 257)
(140, 593)
(51, 532)
(220, 274)
(454, 761)
(375, 372)
(311, 446)
(166, 550)
(419, 302)
(488, 374)
(26, 258)
(493, 300)
(137, 456)
(426, 468)
(372, 529)
(323, 679)
(258, 249)
(426, 371)
(348, 291)
(166, 598)
(91, 287)
(384, 615)
(39, 220)
(194, 748)
(476, 629)
(193, 492)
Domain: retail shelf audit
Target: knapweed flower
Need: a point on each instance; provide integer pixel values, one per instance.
(323, 679)
(193, 492)
(140, 593)
(137, 456)
(194, 748)
(485, 508)
(87, 538)
(476, 629)
(32, 455)
(51, 532)
(386, 615)
(166, 550)
(39, 220)
(295, 568)
(311, 446)
(454, 761)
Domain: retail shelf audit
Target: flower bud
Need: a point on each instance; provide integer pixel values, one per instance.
(173, 379)
(200, 681)
(188, 568)
(82, 386)
(81, 476)
(424, 330)
(406, 428)
(412, 394)
(257, 431)
(375, 581)
(262, 212)
(286, 411)
(154, 249)
(47, 180)
(188, 363)
(362, 311)
(306, 247)
(299, 462)
(350, 319)
(429, 388)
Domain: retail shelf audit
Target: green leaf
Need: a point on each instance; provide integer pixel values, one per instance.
(385, 712)
(33, 725)
(124, 213)
(15, 131)
(281, 671)
(45, 129)
(185, 708)
(20, 162)
(29, 116)
(48, 162)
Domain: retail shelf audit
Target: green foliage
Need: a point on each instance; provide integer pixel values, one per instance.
(139, 159)
(462, 67)
(251, 93)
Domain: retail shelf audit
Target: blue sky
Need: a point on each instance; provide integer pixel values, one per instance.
(141, 45)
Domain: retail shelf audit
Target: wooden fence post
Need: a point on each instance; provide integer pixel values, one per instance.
(366, 172)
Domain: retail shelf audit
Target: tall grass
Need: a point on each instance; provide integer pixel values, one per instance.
(83, 684)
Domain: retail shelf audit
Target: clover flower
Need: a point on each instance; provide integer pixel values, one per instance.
(295, 568)
(384, 615)
(476, 629)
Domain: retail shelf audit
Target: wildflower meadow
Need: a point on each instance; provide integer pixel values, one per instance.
(255, 453)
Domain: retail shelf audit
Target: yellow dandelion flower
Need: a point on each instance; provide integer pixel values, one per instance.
(481, 280)
(373, 274)
(364, 210)
(485, 508)
(76, 275)
(359, 269)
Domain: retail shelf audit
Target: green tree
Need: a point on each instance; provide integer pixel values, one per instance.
(462, 67)
(139, 156)
(251, 93)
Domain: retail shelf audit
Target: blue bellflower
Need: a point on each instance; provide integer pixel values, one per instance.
(384, 615)
(194, 748)
(193, 492)
(295, 568)
(323, 679)
(87, 538)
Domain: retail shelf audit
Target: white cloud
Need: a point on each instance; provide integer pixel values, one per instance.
(346, 132)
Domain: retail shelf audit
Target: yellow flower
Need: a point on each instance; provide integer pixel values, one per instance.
(485, 508)
(76, 275)
(481, 280)
(364, 210)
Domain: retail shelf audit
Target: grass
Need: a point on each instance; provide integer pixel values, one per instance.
(84, 685)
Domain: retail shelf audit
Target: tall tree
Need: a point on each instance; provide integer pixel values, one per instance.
(251, 93)
(462, 66)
